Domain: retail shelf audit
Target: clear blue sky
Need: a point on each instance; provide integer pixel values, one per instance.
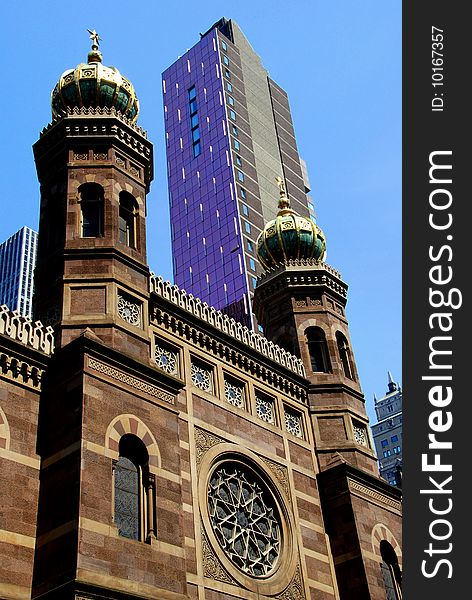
(340, 63)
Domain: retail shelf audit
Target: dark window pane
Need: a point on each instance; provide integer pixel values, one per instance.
(194, 121)
(91, 219)
(127, 498)
(192, 93)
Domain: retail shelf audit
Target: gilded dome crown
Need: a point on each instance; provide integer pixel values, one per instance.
(93, 85)
(289, 236)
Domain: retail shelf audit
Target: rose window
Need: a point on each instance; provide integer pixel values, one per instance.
(129, 311)
(293, 423)
(265, 409)
(166, 359)
(360, 435)
(234, 393)
(201, 377)
(244, 519)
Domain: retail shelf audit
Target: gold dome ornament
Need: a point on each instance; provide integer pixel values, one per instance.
(93, 85)
(289, 236)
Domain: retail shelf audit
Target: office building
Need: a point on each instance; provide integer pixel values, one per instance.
(153, 448)
(229, 135)
(17, 262)
(387, 432)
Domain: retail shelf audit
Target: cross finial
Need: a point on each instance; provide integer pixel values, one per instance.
(96, 39)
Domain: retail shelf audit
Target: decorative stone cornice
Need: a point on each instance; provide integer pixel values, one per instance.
(134, 382)
(225, 324)
(301, 273)
(94, 126)
(304, 263)
(368, 493)
(92, 112)
(23, 330)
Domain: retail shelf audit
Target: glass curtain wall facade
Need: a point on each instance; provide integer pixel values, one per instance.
(17, 263)
(229, 134)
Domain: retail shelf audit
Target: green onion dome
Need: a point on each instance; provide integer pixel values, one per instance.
(289, 237)
(92, 85)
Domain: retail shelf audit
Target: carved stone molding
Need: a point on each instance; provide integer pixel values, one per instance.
(294, 591)
(281, 474)
(203, 442)
(213, 346)
(212, 567)
(20, 371)
(134, 382)
(358, 489)
(226, 324)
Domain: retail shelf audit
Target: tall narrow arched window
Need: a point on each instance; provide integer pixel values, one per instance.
(134, 491)
(345, 355)
(91, 207)
(318, 349)
(127, 219)
(391, 573)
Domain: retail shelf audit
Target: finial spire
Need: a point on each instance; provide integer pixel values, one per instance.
(94, 55)
(392, 386)
(96, 39)
(284, 202)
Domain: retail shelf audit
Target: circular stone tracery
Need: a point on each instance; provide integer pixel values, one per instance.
(244, 519)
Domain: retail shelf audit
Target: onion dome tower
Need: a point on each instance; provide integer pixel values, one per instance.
(93, 85)
(94, 165)
(289, 236)
(300, 302)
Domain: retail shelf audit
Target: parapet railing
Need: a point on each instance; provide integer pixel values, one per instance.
(22, 329)
(226, 324)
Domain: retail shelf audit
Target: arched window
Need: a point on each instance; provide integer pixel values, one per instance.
(391, 573)
(91, 205)
(345, 355)
(127, 219)
(318, 350)
(134, 491)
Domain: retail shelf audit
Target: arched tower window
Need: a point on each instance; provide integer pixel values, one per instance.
(91, 204)
(318, 349)
(345, 355)
(391, 573)
(127, 219)
(134, 491)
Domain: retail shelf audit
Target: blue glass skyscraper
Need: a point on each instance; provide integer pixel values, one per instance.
(17, 262)
(229, 134)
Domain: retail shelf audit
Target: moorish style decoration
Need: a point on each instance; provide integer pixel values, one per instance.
(129, 311)
(234, 393)
(166, 359)
(293, 422)
(92, 85)
(360, 434)
(289, 236)
(244, 518)
(265, 408)
(201, 377)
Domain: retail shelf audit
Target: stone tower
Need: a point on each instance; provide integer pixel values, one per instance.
(95, 167)
(300, 302)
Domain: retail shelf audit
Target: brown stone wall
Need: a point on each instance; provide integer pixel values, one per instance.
(19, 484)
